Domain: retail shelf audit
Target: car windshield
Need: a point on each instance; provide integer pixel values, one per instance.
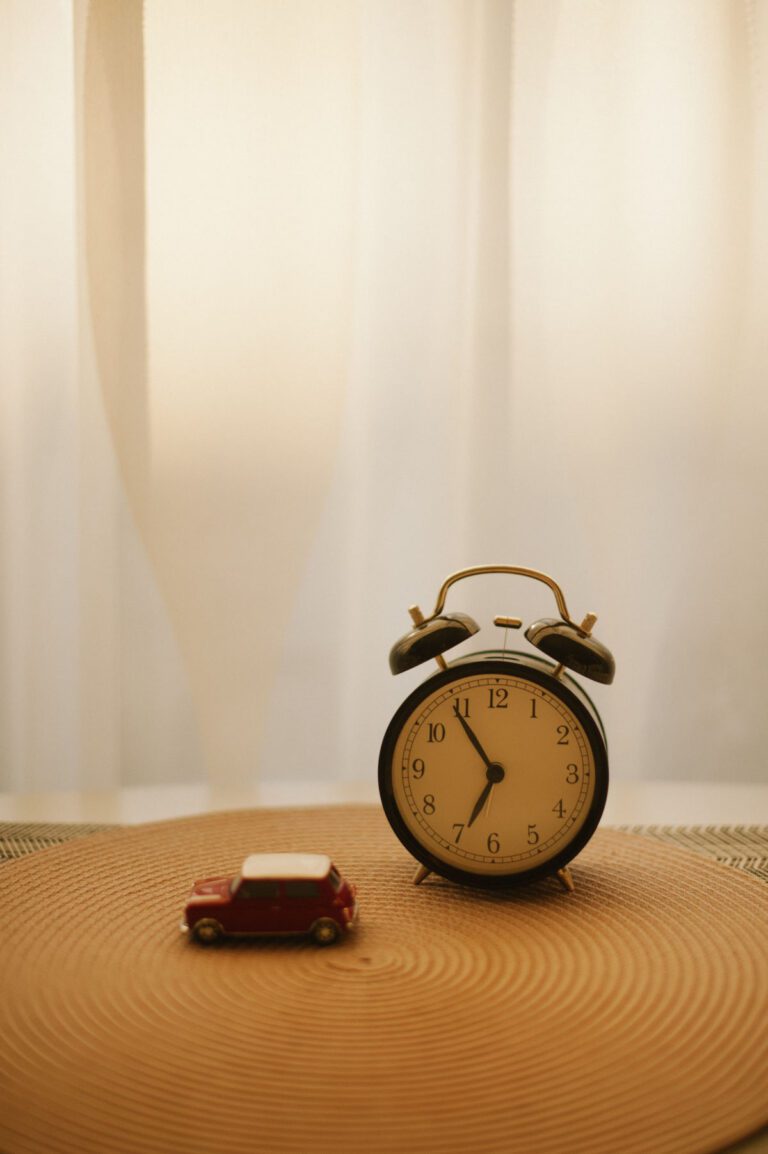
(335, 878)
(258, 889)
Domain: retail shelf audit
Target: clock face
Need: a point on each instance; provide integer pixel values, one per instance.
(493, 770)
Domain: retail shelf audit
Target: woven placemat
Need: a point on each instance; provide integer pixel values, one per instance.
(19, 838)
(628, 1017)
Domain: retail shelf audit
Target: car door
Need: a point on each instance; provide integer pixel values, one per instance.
(255, 907)
(301, 902)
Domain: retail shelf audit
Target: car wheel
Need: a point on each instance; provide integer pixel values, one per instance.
(207, 931)
(325, 931)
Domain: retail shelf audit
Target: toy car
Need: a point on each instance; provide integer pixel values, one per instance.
(274, 893)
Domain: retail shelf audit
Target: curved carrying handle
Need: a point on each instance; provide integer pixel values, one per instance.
(513, 570)
(568, 643)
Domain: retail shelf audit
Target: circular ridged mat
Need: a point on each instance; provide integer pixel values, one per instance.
(628, 1016)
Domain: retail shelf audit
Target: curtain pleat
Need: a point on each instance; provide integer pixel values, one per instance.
(303, 306)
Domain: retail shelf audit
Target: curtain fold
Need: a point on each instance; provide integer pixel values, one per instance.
(304, 306)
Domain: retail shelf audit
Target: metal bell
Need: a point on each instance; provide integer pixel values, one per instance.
(430, 640)
(574, 648)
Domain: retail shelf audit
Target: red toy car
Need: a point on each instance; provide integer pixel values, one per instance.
(274, 893)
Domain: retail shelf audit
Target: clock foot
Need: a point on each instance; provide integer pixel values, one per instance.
(565, 877)
(421, 873)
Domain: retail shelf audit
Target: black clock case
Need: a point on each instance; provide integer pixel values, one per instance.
(540, 673)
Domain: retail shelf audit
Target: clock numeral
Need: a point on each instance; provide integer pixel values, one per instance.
(559, 809)
(436, 731)
(497, 697)
(572, 775)
(460, 827)
(418, 767)
(461, 707)
(493, 843)
(429, 804)
(533, 707)
(563, 730)
(533, 835)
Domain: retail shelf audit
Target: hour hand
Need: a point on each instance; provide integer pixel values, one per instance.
(479, 804)
(471, 736)
(494, 774)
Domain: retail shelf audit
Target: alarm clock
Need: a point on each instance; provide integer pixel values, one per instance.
(494, 771)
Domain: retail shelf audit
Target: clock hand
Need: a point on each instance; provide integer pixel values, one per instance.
(494, 774)
(472, 738)
(493, 771)
(479, 804)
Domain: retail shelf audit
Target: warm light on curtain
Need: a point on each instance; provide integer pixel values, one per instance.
(304, 305)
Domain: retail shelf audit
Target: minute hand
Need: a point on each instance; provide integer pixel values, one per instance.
(473, 739)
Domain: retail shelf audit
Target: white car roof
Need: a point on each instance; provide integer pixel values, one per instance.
(285, 865)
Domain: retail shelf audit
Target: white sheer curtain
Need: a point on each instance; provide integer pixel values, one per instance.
(305, 305)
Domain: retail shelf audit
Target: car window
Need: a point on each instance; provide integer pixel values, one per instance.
(335, 878)
(265, 890)
(301, 889)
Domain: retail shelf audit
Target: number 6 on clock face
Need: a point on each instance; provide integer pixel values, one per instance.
(493, 771)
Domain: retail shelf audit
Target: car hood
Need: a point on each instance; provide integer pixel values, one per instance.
(211, 888)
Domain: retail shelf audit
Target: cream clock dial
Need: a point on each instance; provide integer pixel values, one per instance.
(494, 771)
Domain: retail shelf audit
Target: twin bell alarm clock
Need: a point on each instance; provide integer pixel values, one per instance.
(494, 771)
